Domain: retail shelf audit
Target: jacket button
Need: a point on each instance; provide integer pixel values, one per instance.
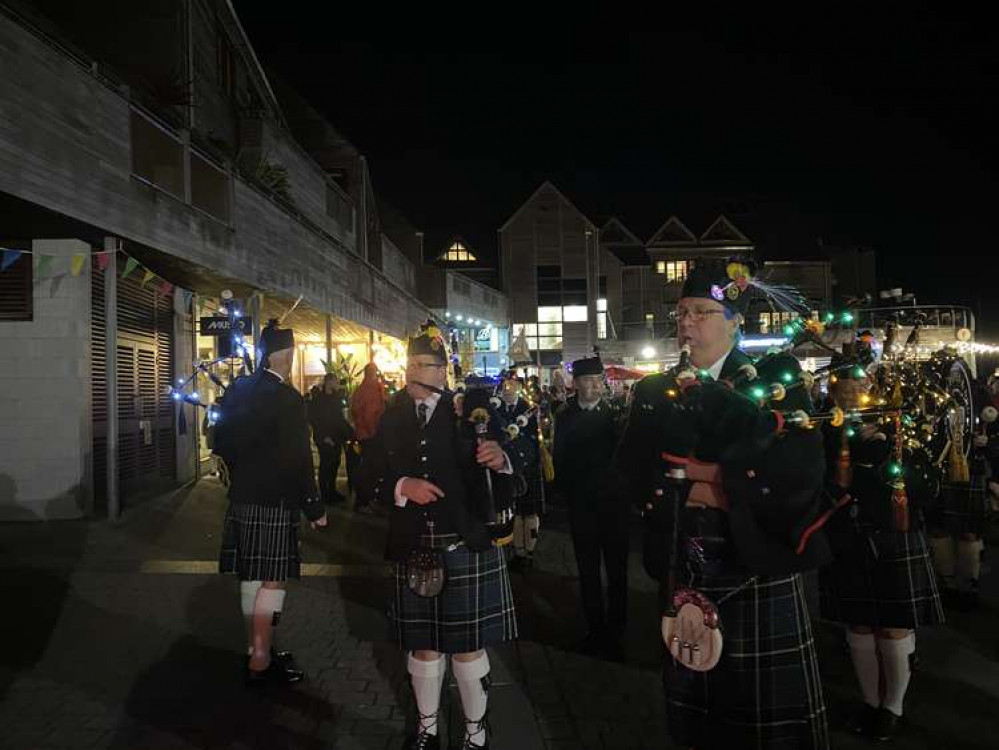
(426, 476)
(423, 442)
(423, 458)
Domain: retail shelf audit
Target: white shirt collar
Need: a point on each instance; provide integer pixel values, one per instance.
(715, 370)
(277, 375)
(431, 401)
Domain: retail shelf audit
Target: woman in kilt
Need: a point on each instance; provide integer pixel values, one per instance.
(744, 505)
(413, 465)
(263, 436)
(881, 584)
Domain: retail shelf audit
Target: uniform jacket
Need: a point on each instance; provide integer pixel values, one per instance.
(264, 437)
(326, 415)
(772, 480)
(440, 453)
(585, 441)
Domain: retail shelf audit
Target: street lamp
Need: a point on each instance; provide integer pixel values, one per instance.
(648, 352)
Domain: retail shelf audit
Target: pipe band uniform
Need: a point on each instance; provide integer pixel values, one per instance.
(730, 495)
(263, 436)
(881, 584)
(587, 431)
(521, 414)
(452, 594)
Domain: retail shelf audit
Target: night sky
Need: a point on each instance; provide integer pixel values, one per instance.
(861, 130)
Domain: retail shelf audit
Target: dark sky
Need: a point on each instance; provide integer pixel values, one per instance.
(874, 131)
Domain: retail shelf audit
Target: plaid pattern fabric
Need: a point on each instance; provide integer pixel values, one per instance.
(259, 543)
(765, 693)
(474, 610)
(882, 579)
(960, 508)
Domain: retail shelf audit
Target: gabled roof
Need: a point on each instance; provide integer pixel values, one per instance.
(614, 232)
(722, 232)
(673, 232)
(546, 185)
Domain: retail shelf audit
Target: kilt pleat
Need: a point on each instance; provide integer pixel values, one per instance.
(259, 543)
(766, 692)
(882, 579)
(960, 508)
(474, 610)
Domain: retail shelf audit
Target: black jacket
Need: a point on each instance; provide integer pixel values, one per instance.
(326, 416)
(440, 453)
(772, 480)
(264, 437)
(584, 455)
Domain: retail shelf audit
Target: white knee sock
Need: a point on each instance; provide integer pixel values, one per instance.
(533, 527)
(969, 561)
(247, 600)
(267, 603)
(895, 663)
(427, 678)
(943, 557)
(474, 699)
(863, 651)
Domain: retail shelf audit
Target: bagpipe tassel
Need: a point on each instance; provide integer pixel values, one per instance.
(900, 507)
(844, 470)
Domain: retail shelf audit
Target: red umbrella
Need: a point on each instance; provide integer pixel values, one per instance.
(617, 372)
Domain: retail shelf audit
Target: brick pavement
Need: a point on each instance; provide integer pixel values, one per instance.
(108, 649)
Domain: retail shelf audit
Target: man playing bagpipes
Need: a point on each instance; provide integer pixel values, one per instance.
(529, 491)
(730, 490)
(447, 482)
(881, 584)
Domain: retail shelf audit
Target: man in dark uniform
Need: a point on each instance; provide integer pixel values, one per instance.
(330, 432)
(731, 506)
(529, 494)
(414, 466)
(586, 435)
(263, 436)
(881, 584)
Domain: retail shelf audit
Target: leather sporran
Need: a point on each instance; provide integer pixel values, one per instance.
(426, 572)
(693, 636)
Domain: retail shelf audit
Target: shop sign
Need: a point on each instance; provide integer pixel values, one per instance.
(221, 325)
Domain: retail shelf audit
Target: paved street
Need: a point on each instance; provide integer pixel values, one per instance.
(121, 636)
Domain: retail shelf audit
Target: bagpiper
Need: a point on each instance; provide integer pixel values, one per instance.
(452, 594)
(881, 584)
(730, 490)
(529, 491)
(263, 436)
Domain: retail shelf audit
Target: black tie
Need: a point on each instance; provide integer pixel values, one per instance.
(421, 415)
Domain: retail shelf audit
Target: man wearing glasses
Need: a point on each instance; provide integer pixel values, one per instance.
(413, 466)
(742, 507)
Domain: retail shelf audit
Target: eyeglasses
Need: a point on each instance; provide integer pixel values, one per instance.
(698, 315)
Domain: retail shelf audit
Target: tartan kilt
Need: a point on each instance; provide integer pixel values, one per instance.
(883, 579)
(960, 508)
(765, 692)
(260, 543)
(532, 502)
(474, 610)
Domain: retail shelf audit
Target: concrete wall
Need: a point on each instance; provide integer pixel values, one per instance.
(45, 429)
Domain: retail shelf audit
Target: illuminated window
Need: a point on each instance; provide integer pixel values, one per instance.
(601, 305)
(550, 314)
(601, 325)
(575, 313)
(458, 253)
(676, 270)
(660, 266)
(650, 322)
(765, 322)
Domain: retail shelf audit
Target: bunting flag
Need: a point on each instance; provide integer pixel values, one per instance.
(130, 265)
(187, 295)
(165, 288)
(147, 277)
(102, 261)
(9, 258)
(76, 264)
(44, 261)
